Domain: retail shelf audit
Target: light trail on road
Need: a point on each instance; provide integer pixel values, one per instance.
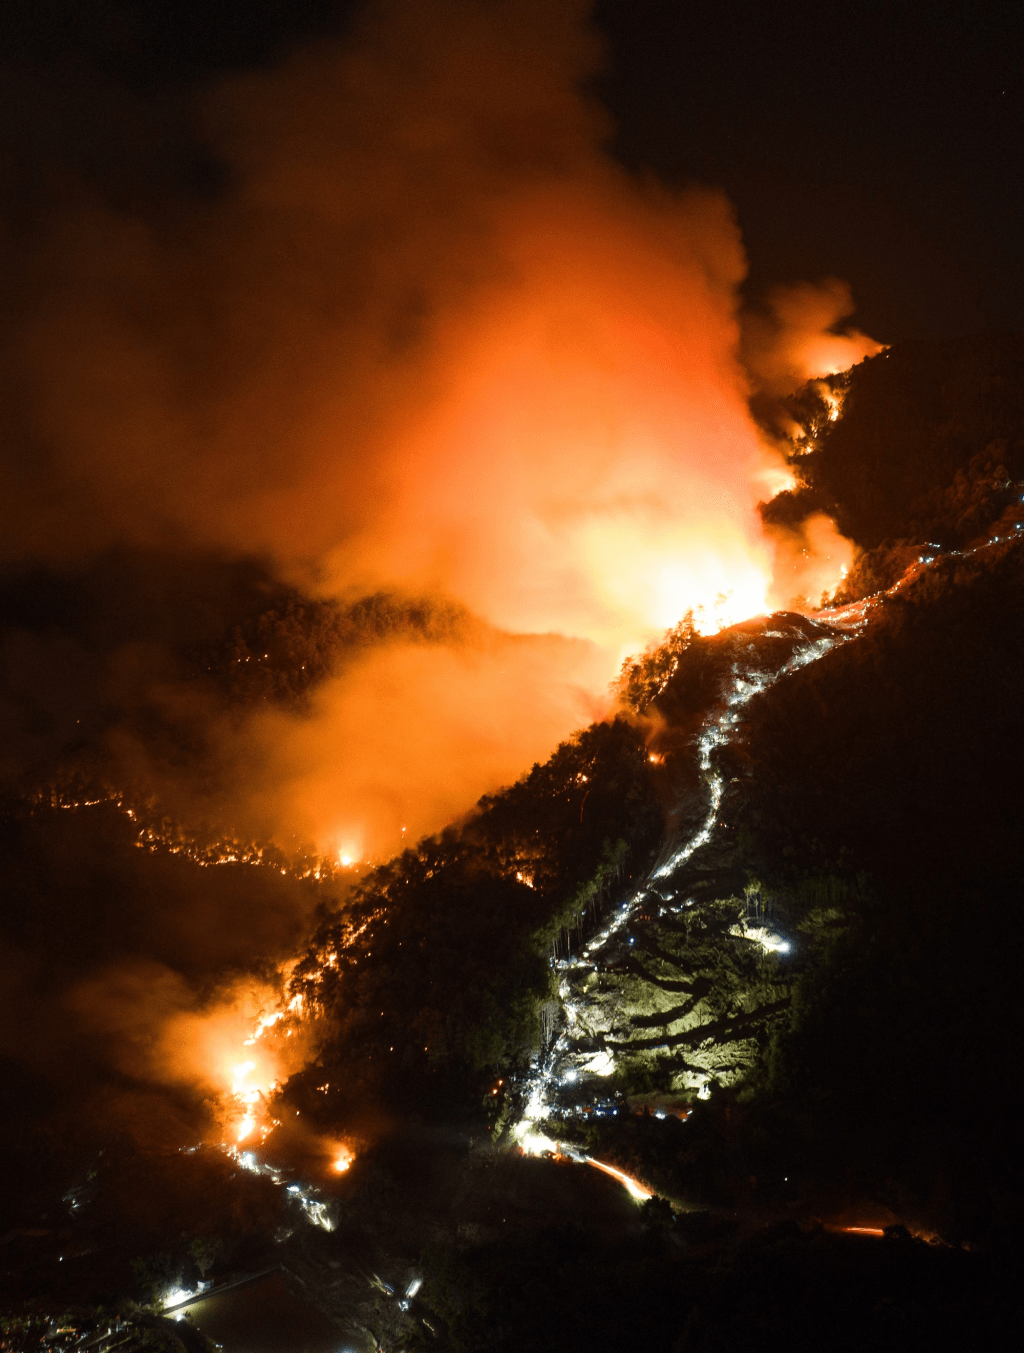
(836, 626)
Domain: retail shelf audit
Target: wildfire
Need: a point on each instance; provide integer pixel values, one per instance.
(247, 1096)
(253, 1080)
(242, 1048)
(834, 400)
(343, 1156)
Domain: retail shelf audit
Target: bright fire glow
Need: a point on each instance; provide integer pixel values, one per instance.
(834, 400)
(243, 1048)
(805, 339)
(248, 1096)
(176, 1296)
(533, 405)
(576, 461)
(535, 1143)
(343, 1156)
(589, 466)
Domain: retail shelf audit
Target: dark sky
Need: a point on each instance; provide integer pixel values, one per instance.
(881, 141)
(878, 142)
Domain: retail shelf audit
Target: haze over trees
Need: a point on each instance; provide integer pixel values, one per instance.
(872, 813)
(467, 922)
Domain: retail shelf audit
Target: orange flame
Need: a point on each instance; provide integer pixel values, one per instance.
(243, 1048)
(342, 1157)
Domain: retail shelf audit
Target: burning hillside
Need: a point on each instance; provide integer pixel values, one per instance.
(481, 697)
(610, 961)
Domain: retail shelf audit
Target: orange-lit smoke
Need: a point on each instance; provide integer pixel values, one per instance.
(430, 338)
(237, 1048)
(243, 1046)
(342, 1155)
(810, 561)
(587, 463)
(410, 737)
(800, 338)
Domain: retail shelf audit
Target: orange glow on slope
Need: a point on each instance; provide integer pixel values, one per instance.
(449, 346)
(342, 1158)
(243, 1048)
(810, 562)
(579, 464)
(246, 1095)
(587, 464)
(802, 338)
(411, 735)
(824, 354)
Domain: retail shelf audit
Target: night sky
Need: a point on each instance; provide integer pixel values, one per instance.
(880, 143)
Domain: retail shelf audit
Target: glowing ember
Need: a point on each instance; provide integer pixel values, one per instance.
(343, 1158)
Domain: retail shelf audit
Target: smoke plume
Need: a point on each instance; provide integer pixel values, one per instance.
(414, 331)
(800, 337)
(426, 337)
